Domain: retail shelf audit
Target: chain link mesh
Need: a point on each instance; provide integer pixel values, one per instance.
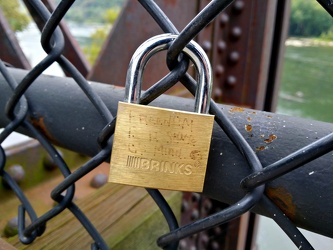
(17, 108)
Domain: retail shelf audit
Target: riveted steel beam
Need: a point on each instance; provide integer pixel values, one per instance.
(11, 51)
(65, 115)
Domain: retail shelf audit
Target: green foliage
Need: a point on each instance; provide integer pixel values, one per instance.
(308, 19)
(99, 36)
(91, 11)
(111, 15)
(17, 19)
(97, 40)
(327, 36)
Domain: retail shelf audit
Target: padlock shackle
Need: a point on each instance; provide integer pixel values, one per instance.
(162, 42)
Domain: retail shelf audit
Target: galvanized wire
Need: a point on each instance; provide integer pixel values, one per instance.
(18, 105)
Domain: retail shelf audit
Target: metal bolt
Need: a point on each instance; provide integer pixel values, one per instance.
(217, 92)
(231, 81)
(205, 239)
(221, 46)
(195, 197)
(11, 228)
(234, 57)
(219, 70)
(236, 33)
(183, 244)
(17, 173)
(215, 245)
(224, 19)
(195, 214)
(206, 45)
(238, 7)
(98, 180)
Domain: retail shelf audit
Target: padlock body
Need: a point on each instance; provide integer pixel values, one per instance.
(160, 148)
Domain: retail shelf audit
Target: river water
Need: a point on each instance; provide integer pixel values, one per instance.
(29, 40)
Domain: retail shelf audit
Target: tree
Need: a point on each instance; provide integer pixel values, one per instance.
(111, 15)
(89, 11)
(97, 40)
(17, 19)
(99, 36)
(308, 19)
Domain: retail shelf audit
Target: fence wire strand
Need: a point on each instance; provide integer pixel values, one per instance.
(17, 107)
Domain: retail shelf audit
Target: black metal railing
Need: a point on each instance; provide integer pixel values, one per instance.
(18, 110)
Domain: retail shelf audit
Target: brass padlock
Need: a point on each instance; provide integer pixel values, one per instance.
(162, 148)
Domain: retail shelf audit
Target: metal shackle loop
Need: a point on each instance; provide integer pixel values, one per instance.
(159, 43)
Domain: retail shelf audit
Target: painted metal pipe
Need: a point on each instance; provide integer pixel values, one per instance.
(65, 115)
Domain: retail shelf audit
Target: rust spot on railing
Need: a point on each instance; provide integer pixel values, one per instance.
(248, 128)
(260, 148)
(38, 122)
(270, 138)
(236, 109)
(283, 199)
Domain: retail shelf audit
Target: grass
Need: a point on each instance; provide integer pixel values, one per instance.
(307, 83)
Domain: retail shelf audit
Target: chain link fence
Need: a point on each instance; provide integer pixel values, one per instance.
(17, 109)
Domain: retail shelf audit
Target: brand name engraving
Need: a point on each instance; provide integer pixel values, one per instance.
(170, 167)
